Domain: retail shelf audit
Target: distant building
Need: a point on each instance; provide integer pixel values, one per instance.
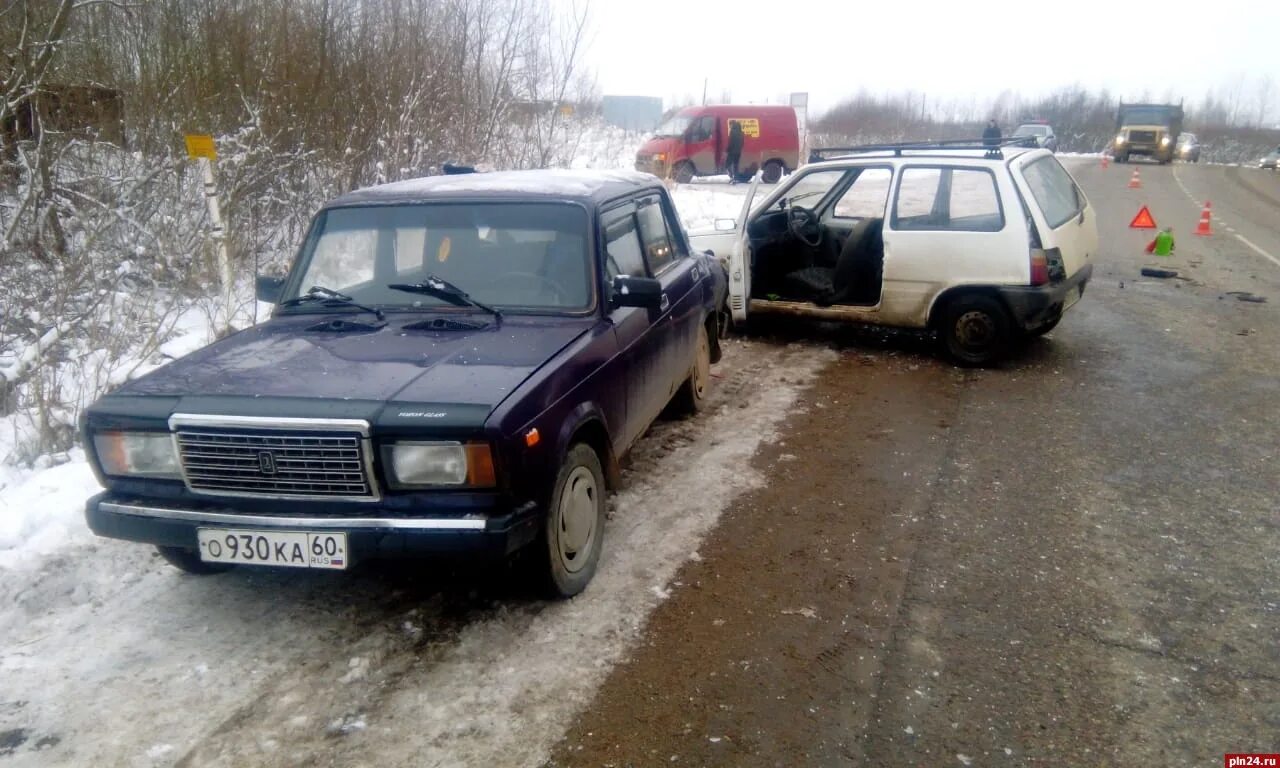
(633, 113)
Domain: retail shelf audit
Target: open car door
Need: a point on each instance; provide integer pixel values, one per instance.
(729, 242)
(740, 259)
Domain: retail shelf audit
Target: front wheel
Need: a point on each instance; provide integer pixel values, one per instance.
(573, 533)
(188, 560)
(684, 172)
(975, 330)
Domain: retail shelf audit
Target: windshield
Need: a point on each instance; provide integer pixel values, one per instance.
(1032, 130)
(1150, 116)
(510, 255)
(676, 126)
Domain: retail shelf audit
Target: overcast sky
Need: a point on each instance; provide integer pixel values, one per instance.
(760, 51)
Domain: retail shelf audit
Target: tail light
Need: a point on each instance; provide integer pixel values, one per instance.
(1039, 267)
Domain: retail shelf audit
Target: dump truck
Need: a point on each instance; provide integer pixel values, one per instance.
(1147, 129)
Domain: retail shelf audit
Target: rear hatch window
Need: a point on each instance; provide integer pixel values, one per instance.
(1054, 191)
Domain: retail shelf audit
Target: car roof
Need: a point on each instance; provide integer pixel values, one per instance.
(931, 156)
(586, 186)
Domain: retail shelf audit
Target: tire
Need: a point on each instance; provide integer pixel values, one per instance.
(573, 532)
(683, 172)
(1122, 158)
(975, 330)
(188, 560)
(692, 394)
(772, 172)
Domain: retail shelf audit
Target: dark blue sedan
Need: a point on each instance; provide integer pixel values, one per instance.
(454, 363)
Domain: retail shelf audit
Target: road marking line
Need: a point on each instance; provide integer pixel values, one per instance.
(1261, 252)
(1232, 230)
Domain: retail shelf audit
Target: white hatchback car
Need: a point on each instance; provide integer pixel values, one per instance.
(985, 245)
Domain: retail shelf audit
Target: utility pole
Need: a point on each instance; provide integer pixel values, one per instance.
(704, 91)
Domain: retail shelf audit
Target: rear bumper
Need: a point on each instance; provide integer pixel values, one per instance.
(1033, 306)
(368, 536)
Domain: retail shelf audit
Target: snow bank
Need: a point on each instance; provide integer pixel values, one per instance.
(42, 511)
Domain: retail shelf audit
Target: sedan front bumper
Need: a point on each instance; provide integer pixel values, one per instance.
(369, 536)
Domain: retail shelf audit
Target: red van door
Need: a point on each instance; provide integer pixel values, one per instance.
(702, 148)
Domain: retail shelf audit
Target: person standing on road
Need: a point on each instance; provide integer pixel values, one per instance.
(991, 134)
(733, 153)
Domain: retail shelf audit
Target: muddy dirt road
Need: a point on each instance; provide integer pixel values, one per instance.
(1068, 561)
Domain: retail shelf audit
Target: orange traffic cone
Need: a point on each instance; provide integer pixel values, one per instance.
(1203, 227)
(1106, 161)
(1134, 181)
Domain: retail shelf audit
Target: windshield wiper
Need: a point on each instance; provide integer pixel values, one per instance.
(318, 294)
(443, 289)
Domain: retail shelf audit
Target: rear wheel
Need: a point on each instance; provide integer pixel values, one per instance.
(772, 172)
(683, 172)
(693, 392)
(189, 560)
(975, 330)
(573, 533)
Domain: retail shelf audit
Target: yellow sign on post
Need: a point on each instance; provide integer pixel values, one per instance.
(200, 145)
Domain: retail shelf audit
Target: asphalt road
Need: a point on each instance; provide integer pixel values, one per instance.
(858, 555)
(1071, 560)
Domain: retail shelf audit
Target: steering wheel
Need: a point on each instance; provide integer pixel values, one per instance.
(553, 286)
(803, 223)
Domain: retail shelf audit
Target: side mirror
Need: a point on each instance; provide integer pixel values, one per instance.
(726, 225)
(644, 292)
(268, 288)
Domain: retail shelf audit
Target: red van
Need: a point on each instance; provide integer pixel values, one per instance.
(692, 143)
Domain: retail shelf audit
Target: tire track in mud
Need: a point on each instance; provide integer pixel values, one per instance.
(470, 679)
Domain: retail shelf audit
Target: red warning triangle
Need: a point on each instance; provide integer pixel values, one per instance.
(1143, 220)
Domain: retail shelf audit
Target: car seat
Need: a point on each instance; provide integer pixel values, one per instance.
(858, 272)
(856, 277)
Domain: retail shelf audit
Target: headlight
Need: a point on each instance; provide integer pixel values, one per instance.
(438, 464)
(138, 454)
(660, 157)
(1120, 138)
(1165, 141)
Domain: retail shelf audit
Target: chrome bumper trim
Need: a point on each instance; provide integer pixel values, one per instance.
(269, 521)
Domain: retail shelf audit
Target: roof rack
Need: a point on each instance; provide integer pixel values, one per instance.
(991, 147)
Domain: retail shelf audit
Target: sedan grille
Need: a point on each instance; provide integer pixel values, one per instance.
(275, 463)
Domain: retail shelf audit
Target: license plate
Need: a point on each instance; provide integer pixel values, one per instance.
(291, 549)
(1071, 298)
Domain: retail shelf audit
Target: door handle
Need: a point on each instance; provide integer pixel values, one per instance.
(665, 303)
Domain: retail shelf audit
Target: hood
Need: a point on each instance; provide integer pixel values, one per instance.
(282, 358)
(659, 144)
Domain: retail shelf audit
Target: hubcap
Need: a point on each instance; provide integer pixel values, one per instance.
(975, 330)
(577, 524)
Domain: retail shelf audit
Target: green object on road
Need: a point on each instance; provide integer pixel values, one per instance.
(1164, 243)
